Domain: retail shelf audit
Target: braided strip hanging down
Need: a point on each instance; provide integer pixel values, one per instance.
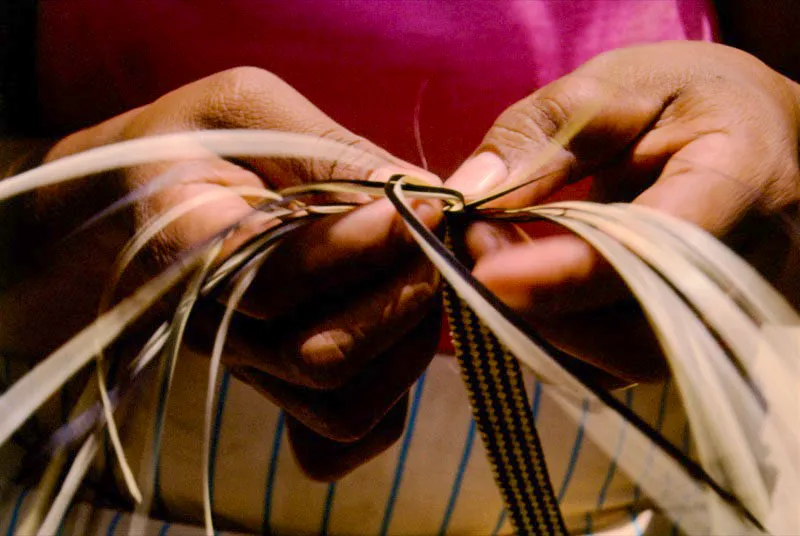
(729, 338)
(505, 422)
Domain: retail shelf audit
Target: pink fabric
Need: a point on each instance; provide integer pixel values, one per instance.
(361, 61)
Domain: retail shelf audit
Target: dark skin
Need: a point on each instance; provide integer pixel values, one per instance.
(721, 110)
(701, 131)
(355, 297)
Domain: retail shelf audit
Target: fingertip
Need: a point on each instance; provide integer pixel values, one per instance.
(384, 173)
(550, 259)
(554, 274)
(485, 238)
(479, 175)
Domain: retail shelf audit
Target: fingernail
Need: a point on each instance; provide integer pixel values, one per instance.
(385, 173)
(428, 211)
(490, 240)
(487, 242)
(484, 239)
(479, 174)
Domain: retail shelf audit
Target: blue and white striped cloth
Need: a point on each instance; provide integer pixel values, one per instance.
(435, 480)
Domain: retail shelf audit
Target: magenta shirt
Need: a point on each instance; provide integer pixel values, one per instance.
(361, 61)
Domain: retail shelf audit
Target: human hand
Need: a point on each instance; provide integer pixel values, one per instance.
(336, 327)
(702, 131)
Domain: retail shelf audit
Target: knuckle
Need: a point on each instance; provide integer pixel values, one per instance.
(250, 97)
(254, 98)
(239, 81)
(537, 118)
(554, 105)
(548, 112)
(239, 97)
(611, 61)
(513, 131)
(356, 161)
(324, 358)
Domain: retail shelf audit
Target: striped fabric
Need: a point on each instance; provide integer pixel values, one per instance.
(84, 520)
(435, 480)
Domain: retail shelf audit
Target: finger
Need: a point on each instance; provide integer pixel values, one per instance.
(326, 344)
(328, 255)
(634, 95)
(215, 180)
(351, 411)
(550, 276)
(328, 460)
(335, 257)
(525, 129)
(714, 181)
(485, 238)
(583, 311)
(700, 154)
(574, 299)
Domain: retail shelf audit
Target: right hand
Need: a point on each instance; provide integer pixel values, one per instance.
(700, 131)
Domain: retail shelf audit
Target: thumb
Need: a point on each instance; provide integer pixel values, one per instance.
(510, 152)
